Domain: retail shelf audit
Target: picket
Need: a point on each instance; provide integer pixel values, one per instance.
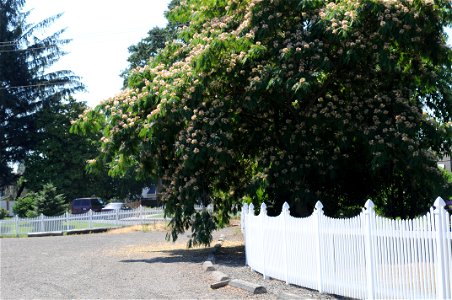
(366, 256)
(20, 226)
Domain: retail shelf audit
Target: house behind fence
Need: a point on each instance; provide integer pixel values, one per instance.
(8, 205)
(362, 257)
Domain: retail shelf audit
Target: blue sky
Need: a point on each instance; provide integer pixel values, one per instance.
(101, 31)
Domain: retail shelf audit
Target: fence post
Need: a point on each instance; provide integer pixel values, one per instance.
(66, 216)
(318, 212)
(250, 212)
(117, 217)
(41, 223)
(90, 219)
(263, 216)
(16, 219)
(442, 291)
(243, 214)
(285, 215)
(141, 215)
(369, 214)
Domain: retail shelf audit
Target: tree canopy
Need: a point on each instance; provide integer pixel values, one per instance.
(59, 157)
(296, 101)
(26, 84)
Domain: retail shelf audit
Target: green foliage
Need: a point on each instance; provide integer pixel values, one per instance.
(49, 202)
(148, 47)
(294, 101)
(203, 226)
(25, 207)
(60, 157)
(3, 213)
(26, 84)
(447, 175)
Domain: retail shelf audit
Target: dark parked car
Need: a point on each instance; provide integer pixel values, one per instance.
(448, 206)
(83, 205)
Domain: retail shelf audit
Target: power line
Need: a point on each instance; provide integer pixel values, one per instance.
(90, 35)
(27, 49)
(10, 42)
(31, 85)
(54, 45)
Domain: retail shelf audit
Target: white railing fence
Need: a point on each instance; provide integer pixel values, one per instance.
(362, 257)
(90, 220)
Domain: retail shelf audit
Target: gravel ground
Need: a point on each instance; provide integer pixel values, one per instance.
(132, 265)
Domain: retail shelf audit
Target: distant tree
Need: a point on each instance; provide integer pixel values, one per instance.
(296, 101)
(25, 207)
(26, 85)
(149, 46)
(49, 202)
(60, 157)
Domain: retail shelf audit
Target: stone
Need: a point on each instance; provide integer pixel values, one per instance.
(219, 276)
(219, 284)
(248, 286)
(208, 266)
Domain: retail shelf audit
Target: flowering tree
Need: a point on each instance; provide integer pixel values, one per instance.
(288, 101)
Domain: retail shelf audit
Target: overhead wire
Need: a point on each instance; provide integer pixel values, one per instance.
(6, 44)
(91, 35)
(28, 49)
(85, 36)
(9, 42)
(30, 85)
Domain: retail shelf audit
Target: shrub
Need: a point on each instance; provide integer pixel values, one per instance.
(3, 213)
(25, 207)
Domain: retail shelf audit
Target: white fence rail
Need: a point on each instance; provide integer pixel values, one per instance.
(90, 220)
(362, 257)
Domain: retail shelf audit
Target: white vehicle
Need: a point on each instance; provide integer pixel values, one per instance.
(115, 206)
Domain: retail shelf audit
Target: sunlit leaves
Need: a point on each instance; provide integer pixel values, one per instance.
(292, 102)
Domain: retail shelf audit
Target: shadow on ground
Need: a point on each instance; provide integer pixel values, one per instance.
(229, 256)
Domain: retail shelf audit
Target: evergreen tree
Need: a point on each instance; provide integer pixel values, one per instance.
(49, 202)
(60, 157)
(26, 85)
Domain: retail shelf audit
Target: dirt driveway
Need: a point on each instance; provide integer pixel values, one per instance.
(136, 265)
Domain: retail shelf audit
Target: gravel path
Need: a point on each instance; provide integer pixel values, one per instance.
(135, 265)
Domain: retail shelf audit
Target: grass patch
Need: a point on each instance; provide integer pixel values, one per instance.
(158, 226)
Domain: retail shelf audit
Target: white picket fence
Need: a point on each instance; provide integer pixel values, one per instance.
(90, 220)
(362, 257)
